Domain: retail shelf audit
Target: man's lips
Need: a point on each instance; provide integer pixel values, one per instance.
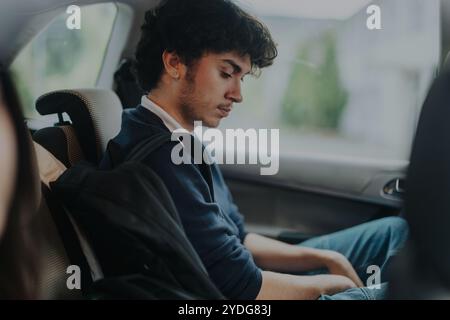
(225, 110)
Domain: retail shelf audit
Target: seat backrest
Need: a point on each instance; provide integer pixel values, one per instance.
(61, 142)
(53, 259)
(95, 118)
(424, 272)
(62, 244)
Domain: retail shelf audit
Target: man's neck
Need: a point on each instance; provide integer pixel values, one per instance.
(168, 106)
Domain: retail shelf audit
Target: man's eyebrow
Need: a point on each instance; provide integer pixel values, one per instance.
(236, 67)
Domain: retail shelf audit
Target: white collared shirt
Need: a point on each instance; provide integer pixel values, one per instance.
(166, 118)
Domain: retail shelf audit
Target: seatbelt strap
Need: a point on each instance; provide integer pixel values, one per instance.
(144, 148)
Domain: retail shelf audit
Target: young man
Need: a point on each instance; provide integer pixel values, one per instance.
(191, 60)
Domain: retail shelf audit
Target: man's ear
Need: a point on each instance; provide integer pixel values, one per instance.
(172, 64)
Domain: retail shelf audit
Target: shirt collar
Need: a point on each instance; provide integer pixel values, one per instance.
(166, 118)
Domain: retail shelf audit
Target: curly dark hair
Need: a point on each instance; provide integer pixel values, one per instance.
(192, 28)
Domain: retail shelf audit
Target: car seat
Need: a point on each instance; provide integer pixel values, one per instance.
(95, 116)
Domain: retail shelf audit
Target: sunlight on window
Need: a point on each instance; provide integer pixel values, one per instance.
(338, 88)
(60, 58)
(317, 9)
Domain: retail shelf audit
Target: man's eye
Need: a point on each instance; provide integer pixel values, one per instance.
(225, 75)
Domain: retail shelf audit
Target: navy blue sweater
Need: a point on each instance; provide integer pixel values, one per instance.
(211, 220)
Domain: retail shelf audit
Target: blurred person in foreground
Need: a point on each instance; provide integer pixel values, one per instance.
(19, 192)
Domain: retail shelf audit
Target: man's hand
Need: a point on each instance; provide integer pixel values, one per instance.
(332, 284)
(270, 254)
(338, 264)
(287, 287)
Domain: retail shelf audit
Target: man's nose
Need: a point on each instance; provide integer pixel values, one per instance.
(235, 93)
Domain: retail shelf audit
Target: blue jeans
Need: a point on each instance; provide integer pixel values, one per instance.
(371, 243)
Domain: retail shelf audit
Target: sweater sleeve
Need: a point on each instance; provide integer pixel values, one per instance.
(230, 206)
(229, 264)
(237, 218)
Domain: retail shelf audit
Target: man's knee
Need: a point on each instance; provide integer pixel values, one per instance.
(395, 224)
(397, 230)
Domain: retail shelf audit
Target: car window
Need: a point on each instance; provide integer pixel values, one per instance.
(61, 58)
(337, 87)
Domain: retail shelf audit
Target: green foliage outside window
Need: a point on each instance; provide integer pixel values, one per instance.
(315, 97)
(62, 58)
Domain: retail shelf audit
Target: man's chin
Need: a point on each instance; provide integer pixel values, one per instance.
(213, 123)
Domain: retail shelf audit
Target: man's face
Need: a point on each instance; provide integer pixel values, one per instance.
(211, 86)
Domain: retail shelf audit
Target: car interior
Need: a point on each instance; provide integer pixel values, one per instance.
(333, 174)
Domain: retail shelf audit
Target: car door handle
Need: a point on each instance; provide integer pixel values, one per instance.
(395, 187)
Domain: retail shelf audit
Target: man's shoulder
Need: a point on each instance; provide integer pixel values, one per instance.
(142, 119)
(138, 124)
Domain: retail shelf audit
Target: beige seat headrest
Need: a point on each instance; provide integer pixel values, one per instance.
(95, 115)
